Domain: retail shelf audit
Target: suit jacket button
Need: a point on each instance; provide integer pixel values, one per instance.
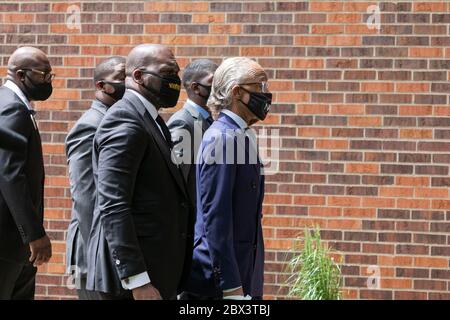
(117, 261)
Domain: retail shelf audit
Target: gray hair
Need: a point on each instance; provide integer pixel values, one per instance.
(231, 72)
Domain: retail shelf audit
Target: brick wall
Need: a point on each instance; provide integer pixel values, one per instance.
(363, 114)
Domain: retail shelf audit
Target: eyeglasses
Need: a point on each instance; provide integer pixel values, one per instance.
(45, 76)
(263, 86)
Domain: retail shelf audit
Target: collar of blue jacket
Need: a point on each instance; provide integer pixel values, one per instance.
(237, 119)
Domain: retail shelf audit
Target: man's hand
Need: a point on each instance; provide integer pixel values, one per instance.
(236, 292)
(41, 251)
(146, 292)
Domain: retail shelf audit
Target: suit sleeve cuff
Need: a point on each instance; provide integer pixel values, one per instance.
(136, 281)
(247, 297)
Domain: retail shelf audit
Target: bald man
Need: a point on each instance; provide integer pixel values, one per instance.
(24, 244)
(109, 79)
(140, 239)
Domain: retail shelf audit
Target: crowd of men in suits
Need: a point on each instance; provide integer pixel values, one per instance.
(160, 211)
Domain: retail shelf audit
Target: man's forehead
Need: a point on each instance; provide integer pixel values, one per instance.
(40, 63)
(258, 74)
(168, 64)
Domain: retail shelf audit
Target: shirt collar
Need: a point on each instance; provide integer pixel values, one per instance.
(12, 86)
(150, 107)
(205, 114)
(100, 105)
(239, 121)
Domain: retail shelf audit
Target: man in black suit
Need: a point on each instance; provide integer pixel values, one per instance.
(24, 244)
(140, 238)
(188, 125)
(109, 79)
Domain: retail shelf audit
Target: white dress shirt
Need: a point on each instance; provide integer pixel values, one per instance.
(150, 108)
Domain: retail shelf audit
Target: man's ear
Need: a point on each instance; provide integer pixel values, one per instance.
(99, 85)
(235, 91)
(20, 75)
(194, 87)
(137, 76)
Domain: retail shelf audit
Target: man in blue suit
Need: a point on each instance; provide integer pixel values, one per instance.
(228, 259)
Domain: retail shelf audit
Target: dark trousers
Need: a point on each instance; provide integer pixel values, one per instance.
(17, 281)
(84, 294)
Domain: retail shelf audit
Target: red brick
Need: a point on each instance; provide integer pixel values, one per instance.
(363, 122)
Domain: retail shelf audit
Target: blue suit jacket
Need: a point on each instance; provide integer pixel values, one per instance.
(228, 242)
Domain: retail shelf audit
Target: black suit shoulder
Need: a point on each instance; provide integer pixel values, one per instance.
(14, 114)
(121, 119)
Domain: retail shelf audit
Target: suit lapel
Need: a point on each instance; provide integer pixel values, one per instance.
(228, 122)
(197, 116)
(205, 124)
(152, 129)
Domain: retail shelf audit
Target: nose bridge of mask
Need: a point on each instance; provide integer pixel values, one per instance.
(207, 89)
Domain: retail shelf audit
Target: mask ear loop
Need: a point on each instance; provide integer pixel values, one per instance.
(245, 104)
(206, 87)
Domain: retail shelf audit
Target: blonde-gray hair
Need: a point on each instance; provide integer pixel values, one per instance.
(231, 72)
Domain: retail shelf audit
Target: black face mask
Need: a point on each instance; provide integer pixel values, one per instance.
(208, 89)
(169, 92)
(259, 103)
(119, 89)
(38, 92)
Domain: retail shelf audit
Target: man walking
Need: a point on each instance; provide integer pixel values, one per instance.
(24, 244)
(109, 79)
(138, 244)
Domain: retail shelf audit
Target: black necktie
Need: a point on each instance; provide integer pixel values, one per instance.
(33, 119)
(165, 130)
